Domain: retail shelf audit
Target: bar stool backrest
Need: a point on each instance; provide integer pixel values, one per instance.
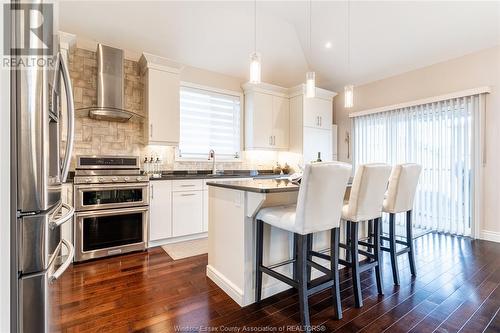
(321, 195)
(402, 187)
(367, 192)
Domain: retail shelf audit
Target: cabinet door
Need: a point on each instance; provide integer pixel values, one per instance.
(317, 113)
(205, 210)
(281, 122)
(162, 105)
(262, 116)
(187, 213)
(317, 140)
(160, 210)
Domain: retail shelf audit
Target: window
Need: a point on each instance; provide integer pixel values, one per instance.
(439, 136)
(209, 120)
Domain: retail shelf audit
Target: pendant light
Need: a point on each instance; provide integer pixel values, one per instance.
(310, 75)
(349, 89)
(255, 60)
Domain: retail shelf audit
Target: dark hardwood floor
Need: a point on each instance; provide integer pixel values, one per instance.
(457, 290)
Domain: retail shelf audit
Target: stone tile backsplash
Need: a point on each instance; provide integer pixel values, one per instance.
(98, 137)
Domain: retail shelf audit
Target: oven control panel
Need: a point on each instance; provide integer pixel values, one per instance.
(110, 179)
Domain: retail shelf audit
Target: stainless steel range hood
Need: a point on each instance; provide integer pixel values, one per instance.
(110, 86)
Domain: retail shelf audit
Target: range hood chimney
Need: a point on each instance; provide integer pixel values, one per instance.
(110, 86)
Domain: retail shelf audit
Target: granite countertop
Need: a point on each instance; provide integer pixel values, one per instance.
(258, 185)
(204, 174)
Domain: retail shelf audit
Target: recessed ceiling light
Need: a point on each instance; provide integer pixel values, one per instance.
(328, 45)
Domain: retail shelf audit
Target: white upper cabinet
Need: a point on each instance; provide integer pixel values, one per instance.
(318, 112)
(311, 124)
(161, 99)
(267, 114)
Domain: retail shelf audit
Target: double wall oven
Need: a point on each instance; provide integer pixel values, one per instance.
(111, 200)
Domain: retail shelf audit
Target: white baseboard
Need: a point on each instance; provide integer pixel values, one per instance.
(166, 241)
(493, 236)
(229, 288)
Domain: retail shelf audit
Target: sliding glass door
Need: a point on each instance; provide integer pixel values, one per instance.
(439, 136)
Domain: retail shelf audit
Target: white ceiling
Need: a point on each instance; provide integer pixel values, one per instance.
(387, 38)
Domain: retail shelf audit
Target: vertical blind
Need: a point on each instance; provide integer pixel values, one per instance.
(209, 120)
(439, 137)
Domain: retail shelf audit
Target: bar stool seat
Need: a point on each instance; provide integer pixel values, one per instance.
(319, 206)
(282, 217)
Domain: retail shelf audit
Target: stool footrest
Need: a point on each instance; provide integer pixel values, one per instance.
(367, 266)
(279, 276)
(367, 254)
(371, 246)
(319, 255)
(319, 284)
(319, 267)
(279, 264)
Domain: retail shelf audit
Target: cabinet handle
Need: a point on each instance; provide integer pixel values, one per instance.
(189, 185)
(271, 140)
(320, 121)
(317, 120)
(187, 194)
(150, 130)
(274, 140)
(152, 192)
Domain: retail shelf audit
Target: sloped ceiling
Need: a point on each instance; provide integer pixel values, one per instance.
(387, 38)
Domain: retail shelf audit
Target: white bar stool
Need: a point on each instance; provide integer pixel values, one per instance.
(400, 196)
(319, 208)
(365, 204)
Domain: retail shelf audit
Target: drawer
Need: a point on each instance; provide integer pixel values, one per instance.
(187, 213)
(187, 185)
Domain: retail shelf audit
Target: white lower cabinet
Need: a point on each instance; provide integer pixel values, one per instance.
(187, 213)
(160, 210)
(205, 210)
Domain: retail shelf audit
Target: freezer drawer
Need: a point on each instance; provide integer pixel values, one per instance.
(40, 295)
(40, 236)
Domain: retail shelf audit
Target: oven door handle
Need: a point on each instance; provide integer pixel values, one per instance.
(63, 219)
(71, 253)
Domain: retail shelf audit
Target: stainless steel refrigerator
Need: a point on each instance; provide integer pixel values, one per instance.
(40, 166)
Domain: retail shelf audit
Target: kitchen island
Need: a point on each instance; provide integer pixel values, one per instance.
(233, 206)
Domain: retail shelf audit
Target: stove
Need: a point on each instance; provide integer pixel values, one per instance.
(111, 199)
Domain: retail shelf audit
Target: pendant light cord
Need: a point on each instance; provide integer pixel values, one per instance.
(255, 25)
(349, 35)
(310, 28)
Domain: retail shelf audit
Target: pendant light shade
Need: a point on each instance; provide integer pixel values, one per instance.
(255, 59)
(310, 75)
(255, 68)
(348, 89)
(310, 84)
(349, 96)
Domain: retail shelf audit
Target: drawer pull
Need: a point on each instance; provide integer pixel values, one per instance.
(190, 185)
(187, 194)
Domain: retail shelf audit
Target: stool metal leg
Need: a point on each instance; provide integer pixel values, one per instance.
(334, 266)
(409, 241)
(347, 241)
(302, 282)
(309, 256)
(392, 248)
(370, 233)
(259, 235)
(295, 253)
(378, 255)
(356, 283)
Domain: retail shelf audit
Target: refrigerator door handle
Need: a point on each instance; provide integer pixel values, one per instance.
(71, 117)
(63, 219)
(71, 253)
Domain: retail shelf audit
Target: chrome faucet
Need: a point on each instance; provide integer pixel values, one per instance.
(211, 156)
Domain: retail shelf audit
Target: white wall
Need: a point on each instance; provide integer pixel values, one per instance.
(4, 193)
(474, 70)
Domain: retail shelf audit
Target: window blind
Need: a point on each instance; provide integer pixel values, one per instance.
(439, 136)
(209, 120)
